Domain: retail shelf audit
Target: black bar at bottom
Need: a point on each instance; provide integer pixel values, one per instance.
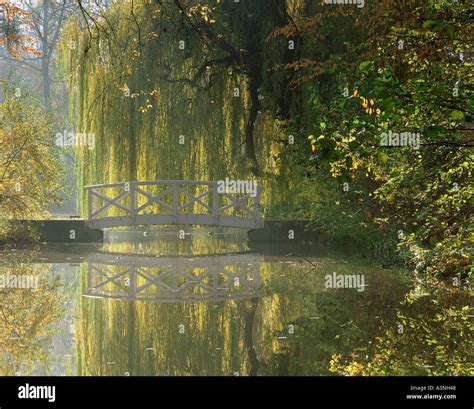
(236, 392)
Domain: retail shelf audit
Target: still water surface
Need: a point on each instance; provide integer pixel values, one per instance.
(151, 303)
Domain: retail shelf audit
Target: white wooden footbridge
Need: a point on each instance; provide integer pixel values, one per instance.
(170, 202)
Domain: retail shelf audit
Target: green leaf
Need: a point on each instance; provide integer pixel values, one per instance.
(382, 157)
(432, 23)
(364, 66)
(457, 115)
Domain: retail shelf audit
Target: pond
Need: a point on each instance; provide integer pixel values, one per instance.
(154, 302)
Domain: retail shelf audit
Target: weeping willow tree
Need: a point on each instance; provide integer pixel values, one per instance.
(179, 91)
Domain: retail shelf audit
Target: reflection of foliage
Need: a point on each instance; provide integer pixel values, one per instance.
(325, 322)
(238, 336)
(432, 337)
(26, 315)
(143, 338)
(200, 241)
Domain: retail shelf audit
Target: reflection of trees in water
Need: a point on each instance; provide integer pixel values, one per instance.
(26, 317)
(324, 322)
(174, 279)
(186, 337)
(432, 336)
(254, 363)
(163, 241)
(239, 336)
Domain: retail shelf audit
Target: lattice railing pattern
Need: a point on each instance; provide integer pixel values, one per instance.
(171, 202)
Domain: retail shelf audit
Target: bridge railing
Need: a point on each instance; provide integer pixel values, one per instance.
(171, 202)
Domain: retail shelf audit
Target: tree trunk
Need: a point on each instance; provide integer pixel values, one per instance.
(46, 83)
(45, 58)
(254, 85)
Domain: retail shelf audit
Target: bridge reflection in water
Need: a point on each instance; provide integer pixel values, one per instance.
(174, 279)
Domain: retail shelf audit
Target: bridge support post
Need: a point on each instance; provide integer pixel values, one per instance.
(257, 211)
(133, 204)
(89, 205)
(215, 203)
(174, 208)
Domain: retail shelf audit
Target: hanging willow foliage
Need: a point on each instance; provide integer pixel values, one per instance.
(141, 80)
